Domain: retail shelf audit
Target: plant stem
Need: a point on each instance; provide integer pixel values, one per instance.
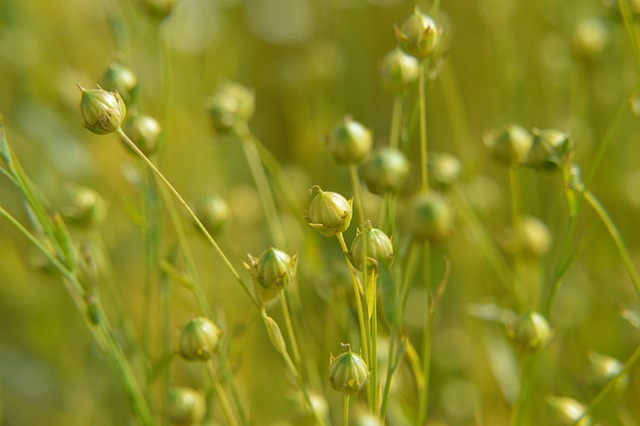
(422, 111)
(355, 182)
(426, 339)
(391, 367)
(396, 121)
(191, 214)
(290, 330)
(152, 255)
(345, 420)
(517, 415)
(222, 395)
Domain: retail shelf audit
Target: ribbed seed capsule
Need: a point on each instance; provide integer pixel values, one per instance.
(531, 331)
(329, 212)
(213, 211)
(398, 70)
(350, 142)
(348, 372)
(430, 217)
(419, 35)
(231, 104)
(387, 171)
(186, 406)
(548, 149)
(275, 269)
(372, 243)
(102, 112)
(199, 339)
(143, 130)
(119, 78)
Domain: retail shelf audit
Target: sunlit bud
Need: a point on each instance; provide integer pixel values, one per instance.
(119, 78)
(429, 216)
(275, 268)
(143, 130)
(329, 212)
(567, 411)
(604, 368)
(387, 171)
(548, 149)
(531, 331)
(398, 70)
(348, 372)
(349, 142)
(102, 112)
(213, 211)
(230, 105)
(371, 243)
(85, 209)
(445, 169)
(590, 38)
(419, 35)
(186, 406)
(509, 146)
(199, 339)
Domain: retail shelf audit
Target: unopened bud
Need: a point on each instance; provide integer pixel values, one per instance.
(119, 78)
(548, 149)
(387, 171)
(186, 406)
(85, 209)
(275, 269)
(348, 372)
(143, 130)
(398, 70)
(213, 211)
(567, 411)
(230, 105)
(531, 331)
(102, 112)
(275, 335)
(509, 146)
(603, 369)
(371, 243)
(199, 339)
(430, 216)
(349, 142)
(419, 35)
(329, 212)
(445, 169)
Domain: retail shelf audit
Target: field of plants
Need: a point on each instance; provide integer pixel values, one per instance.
(319, 212)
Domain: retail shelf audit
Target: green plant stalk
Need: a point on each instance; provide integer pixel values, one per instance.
(518, 413)
(632, 33)
(421, 418)
(516, 215)
(289, 325)
(152, 255)
(391, 368)
(615, 235)
(396, 120)
(262, 184)
(165, 320)
(101, 333)
(455, 106)
(184, 204)
(375, 406)
(345, 420)
(221, 393)
(606, 390)
(422, 111)
(355, 182)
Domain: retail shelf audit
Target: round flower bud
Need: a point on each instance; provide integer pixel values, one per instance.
(119, 78)
(590, 38)
(445, 169)
(509, 146)
(85, 209)
(185, 406)
(372, 243)
(144, 132)
(348, 372)
(531, 331)
(213, 212)
(387, 171)
(398, 70)
(275, 269)
(102, 112)
(430, 216)
(548, 149)
(199, 339)
(329, 212)
(533, 237)
(349, 142)
(603, 368)
(158, 9)
(419, 35)
(230, 104)
(567, 411)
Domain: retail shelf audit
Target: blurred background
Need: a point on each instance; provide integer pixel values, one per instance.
(562, 64)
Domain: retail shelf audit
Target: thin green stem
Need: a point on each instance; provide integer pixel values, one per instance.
(345, 420)
(426, 339)
(396, 121)
(184, 204)
(632, 32)
(518, 413)
(391, 368)
(374, 350)
(221, 393)
(615, 235)
(292, 335)
(422, 111)
(355, 182)
(152, 255)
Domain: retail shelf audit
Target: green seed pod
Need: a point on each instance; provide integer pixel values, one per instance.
(509, 146)
(567, 411)
(85, 209)
(387, 171)
(158, 9)
(329, 212)
(231, 104)
(548, 149)
(92, 311)
(419, 35)
(590, 38)
(398, 70)
(373, 243)
(603, 368)
(143, 130)
(430, 217)
(185, 406)
(348, 372)
(445, 169)
(275, 269)
(531, 331)
(213, 211)
(102, 112)
(199, 339)
(119, 78)
(530, 238)
(349, 142)
(275, 335)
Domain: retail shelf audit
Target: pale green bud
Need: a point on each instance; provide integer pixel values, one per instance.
(230, 105)
(119, 78)
(531, 331)
(350, 142)
(213, 211)
(348, 372)
(329, 212)
(387, 171)
(186, 406)
(372, 243)
(102, 112)
(199, 339)
(445, 169)
(590, 38)
(510, 145)
(275, 268)
(603, 368)
(567, 411)
(158, 9)
(548, 149)
(398, 70)
(430, 217)
(419, 35)
(85, 209)
(143, 130)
